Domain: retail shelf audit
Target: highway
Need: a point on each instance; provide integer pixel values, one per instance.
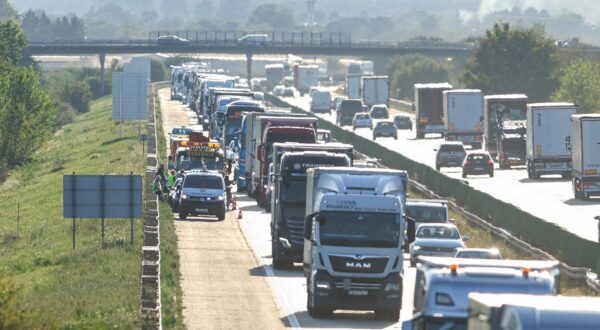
(288, 288)
(549, 198)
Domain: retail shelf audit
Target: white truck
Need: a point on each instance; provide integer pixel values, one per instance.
(463, 116)
(353, 86)
(353, 237)
(375, 90)
(320, 101)
(548, 133)
(274, 74)
(585, 149)
(305, 77)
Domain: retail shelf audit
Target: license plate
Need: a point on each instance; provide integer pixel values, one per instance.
(201, 210)
(451, 163)
(478, 168)
(555, 165)
(358, 292)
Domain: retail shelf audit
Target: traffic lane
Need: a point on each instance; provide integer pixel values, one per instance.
(549, 199)
(290, 286)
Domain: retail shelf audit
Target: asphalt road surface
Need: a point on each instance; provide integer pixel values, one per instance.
(550, 198)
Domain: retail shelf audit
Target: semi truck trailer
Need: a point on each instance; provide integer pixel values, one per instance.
(375, 90)
(429, 107)
(463, 116)
(585, 150)
(548, 134)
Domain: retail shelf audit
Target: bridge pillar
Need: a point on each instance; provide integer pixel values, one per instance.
(249, 68)
(102, 57)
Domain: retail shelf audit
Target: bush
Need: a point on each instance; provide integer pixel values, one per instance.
(405, 71)
(158, 71)
(78, 94)
(65, 114)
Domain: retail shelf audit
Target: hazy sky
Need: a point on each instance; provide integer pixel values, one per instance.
(589, 9)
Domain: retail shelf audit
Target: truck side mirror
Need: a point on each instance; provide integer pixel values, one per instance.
(308, 226)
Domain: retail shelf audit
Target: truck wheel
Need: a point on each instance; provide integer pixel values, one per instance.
(420, 135)
(464, 175)
(492, 174)
(567, 176)
(278, 263)
(437, 167)
(221, 216)
(268, 207)
(182, 215)
(388, 315)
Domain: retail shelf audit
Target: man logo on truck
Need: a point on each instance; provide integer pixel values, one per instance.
(361, 265)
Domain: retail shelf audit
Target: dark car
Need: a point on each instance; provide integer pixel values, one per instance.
(380, 111)
(478, 163)
(403, 122)
(172, 41)
(450, 154)
(385, 128)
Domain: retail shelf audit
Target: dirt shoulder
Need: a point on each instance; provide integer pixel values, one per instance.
(224, 286)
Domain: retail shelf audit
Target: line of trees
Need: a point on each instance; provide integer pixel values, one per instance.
(38, 26)
(27, 112)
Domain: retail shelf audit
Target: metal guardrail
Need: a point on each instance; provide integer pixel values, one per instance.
(580, 273)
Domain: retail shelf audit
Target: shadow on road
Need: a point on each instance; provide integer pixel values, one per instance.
(342, 320)
(579, 202)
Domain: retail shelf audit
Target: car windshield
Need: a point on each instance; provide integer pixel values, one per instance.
(427, 213)
(385, 124)
(452, 148)
(362, 117)
(438, 232)
(203, 181)
(360, 229)
(402, 118)
(479, 157)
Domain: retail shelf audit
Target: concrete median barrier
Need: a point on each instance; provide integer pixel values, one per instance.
(563, 245)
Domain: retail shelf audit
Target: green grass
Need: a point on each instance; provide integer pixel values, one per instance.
(93, 286)
(171, 301)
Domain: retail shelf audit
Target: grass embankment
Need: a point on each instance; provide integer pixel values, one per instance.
(482, 238)
(94, 286)
(171, 301)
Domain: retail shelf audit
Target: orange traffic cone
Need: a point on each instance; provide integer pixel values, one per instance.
(240, 214)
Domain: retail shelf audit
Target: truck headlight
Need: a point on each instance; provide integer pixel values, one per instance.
(323, 285)
(392, 287)
(416, 248)
(220, 198)
(184, 196)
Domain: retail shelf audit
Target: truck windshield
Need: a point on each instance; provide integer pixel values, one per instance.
(426, 213)
(232, 125)
(293, 191)
(203, 181)
(187, 163)
(360, 229)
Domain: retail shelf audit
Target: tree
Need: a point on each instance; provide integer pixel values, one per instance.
(6, 10)
(580, 84)
(514, 60)
(277, 17)
(12, 42)
(413, 69)
(158, 71)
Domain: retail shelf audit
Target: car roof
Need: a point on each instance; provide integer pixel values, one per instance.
(427, 202)
(402, 116)
(447, 225)
(478, 152)
(451, 143)
(203, 173)
(387, 122)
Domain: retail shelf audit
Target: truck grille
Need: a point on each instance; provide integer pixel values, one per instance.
(437, 249)
(350, 264)
(296, 230)
(349, 285)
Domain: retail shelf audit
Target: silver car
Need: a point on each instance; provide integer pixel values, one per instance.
(436, 239)
(385, 128)
(449, 154)
(362, 119)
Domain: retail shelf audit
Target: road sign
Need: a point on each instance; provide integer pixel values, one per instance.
(130, 93)
(102, 196)
(138, 64)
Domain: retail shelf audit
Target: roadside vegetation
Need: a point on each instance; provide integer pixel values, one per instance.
(170, 275)
(53, 286)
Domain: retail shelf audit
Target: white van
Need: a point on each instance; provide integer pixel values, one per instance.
(320, 101)
(254, 40)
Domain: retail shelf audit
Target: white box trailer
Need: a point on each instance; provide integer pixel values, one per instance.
(305, 77)
(353, 87)
(585, 149)
(274, 74)
(463, 116)
(375, 90)
(548, 133)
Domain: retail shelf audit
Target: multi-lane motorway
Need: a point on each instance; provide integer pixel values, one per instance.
(288, 288)
(550, 199)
